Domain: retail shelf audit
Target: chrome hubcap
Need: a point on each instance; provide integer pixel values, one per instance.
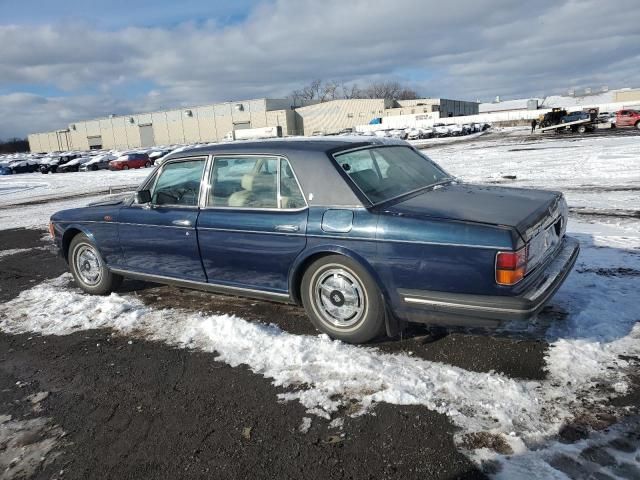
(339, 297)
(88, 265)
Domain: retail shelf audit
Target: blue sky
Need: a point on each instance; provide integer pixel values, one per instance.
(66, 61)
(115, 14)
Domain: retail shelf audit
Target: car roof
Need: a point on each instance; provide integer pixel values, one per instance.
(305, 144)
(322, 183)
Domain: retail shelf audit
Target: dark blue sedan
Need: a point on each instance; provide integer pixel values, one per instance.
(366, 234)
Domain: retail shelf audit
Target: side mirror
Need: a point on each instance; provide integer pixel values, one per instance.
(143, 197)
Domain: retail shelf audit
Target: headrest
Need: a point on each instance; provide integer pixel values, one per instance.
(255, 182)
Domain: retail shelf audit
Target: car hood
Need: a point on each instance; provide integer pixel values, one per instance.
(517, 208)
(116, 199)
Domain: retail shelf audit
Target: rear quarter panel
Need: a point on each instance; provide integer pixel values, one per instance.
(439, 255)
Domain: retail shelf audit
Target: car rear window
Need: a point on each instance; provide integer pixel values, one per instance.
(383, 173)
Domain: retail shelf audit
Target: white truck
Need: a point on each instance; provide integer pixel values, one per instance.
(253, 133)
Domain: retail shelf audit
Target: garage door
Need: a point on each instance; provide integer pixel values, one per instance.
(95, 142)
(146, 136)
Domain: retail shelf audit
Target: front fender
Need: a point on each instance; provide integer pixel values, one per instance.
(65, 233)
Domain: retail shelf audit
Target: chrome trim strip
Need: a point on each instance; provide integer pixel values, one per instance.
(334, 237)
(200, 285)
(412, 242)
(192, 227)
(425, 301)
(259, 232)
(254, 209)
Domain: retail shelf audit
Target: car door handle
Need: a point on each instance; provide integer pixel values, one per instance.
(287, 228)
(181, 223)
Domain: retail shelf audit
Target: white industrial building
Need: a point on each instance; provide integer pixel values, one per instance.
(211, 123)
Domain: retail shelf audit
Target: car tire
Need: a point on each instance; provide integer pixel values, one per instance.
(342, 299)
(89, 269)
(126, 167)
(638, 125)
(147, 164)
(581, 129)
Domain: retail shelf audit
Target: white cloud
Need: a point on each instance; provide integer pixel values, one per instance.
(455, 49)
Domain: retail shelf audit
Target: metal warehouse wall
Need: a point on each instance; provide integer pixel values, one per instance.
(456, 108)
(206, 123)
(333, 116)
(628, 95)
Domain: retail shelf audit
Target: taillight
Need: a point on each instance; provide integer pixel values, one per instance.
(52, 230)
(511, 267)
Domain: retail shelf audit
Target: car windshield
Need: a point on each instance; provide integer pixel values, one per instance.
(383, 173)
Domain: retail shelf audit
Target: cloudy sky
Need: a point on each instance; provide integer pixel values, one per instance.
(78, 59)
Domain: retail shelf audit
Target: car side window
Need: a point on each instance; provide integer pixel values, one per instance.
(179, 183)
(244, 182)
(290, 194)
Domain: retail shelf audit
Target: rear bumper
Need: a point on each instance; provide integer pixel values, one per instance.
(483, 310)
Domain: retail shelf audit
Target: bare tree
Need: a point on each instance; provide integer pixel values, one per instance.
(331, 90)
(351, 91)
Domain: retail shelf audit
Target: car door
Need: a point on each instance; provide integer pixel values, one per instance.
(254, 223)
(623, 118)
(159, 238)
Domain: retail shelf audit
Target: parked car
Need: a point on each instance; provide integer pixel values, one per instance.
(23, 166)
(456, 130)
(73, 165)
(155, 155)
(398, 133)
(52, 165)
(395, 239)
(130, 160)
(574, 117)
(441, 130)
(628, 118)
(414, 134)
(99, 162)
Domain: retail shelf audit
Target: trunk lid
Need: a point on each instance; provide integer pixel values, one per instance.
(525, 210)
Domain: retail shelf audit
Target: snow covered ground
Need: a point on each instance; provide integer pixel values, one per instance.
(28, 200)
(592, 330)
(36, 187)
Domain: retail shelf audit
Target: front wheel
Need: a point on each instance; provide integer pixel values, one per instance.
(89, 269)
(638, 125)
(342, 300)
(126, 167)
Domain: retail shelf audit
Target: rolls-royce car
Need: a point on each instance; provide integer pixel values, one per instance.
(366, 233)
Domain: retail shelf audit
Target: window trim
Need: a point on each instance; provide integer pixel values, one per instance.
(209, 180)
(152, 182)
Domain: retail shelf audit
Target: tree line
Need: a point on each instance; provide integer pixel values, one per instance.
(325, 91)
(14, 145)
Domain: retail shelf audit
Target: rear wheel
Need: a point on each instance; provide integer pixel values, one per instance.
(89, 269)
(638, 125)
(147, 164)
(581, 129)
(342, 300)
(126, 167)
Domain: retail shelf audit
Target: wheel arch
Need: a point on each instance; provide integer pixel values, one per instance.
(69, 234)
(303, 262)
